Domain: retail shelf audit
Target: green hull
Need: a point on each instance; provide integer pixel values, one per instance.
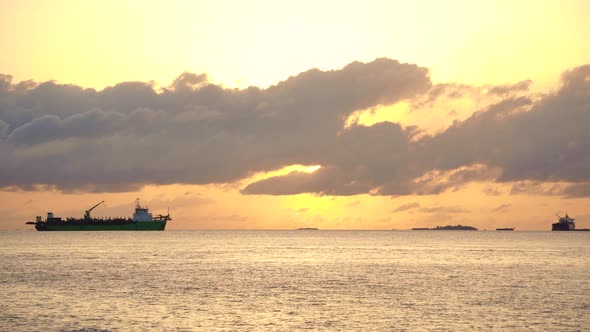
(136, 226)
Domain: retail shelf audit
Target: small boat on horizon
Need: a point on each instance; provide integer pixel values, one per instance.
(505, 229)
(308, 229)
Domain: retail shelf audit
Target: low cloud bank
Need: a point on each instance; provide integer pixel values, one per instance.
(195, 132)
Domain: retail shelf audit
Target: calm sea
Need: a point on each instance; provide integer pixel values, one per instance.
(294, 280)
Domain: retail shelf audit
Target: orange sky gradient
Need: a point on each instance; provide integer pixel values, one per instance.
(472, 47)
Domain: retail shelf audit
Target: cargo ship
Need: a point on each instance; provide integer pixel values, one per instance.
(142, 221)
(564, 224)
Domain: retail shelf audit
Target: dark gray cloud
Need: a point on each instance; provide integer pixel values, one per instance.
(580, 190)
(536, 188)
(3, 129)
(191, 132)
(195, 132)
(545, 140)
(516, 139)
(357, 160)
(89, 125)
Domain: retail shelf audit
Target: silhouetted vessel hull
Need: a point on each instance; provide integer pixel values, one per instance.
(505, 229)
(558, 226)
(100, 226)
(564, 224)
(142, 221)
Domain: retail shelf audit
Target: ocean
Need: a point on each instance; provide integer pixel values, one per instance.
(294, 280)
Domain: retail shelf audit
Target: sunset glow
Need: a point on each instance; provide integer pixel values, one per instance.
(331, 114)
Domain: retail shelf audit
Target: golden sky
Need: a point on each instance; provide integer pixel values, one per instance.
(467, 49)
(241, 43)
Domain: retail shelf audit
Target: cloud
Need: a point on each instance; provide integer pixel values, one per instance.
(510, 88)
(196, 132)
(129, 135)
(353, 204)
(536, 188)
(407, 207)
(543, 140)
(88, 125)
(3, 129)
(517, 139)
(443, 210)
(493, 191)
(188, 82)
(501, 207)
(577, 190)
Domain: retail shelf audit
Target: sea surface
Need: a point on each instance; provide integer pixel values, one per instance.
(294, 280)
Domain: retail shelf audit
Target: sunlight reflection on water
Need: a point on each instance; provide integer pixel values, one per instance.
(289, 280)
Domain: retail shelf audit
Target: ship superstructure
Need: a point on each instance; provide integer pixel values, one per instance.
(142, 220)
(564, 224)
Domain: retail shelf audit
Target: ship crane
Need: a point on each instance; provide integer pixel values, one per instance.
(564, 219)
(87, 212)
(164, 217)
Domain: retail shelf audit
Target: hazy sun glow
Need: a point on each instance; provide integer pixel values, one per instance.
(397, 112)
(283, 171)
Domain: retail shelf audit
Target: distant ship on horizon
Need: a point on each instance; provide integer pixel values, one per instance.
(505, 229)
(142, 221)
(446, 228)
(564, 224)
